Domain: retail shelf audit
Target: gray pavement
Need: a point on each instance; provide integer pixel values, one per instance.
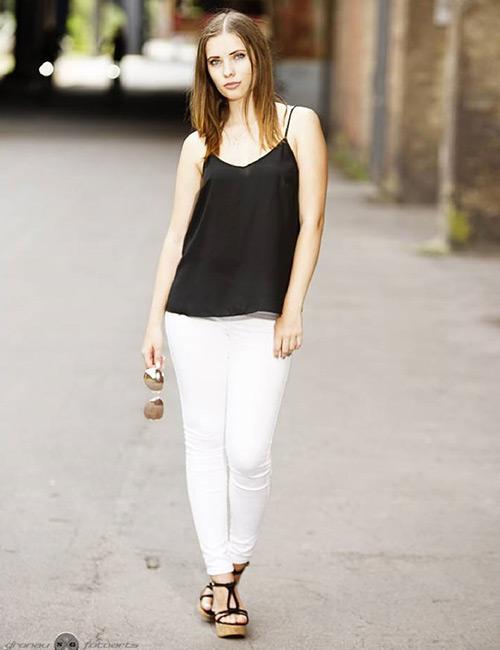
(382, 531)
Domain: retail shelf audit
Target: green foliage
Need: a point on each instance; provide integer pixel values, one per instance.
(459, 225)
(458, 233)
(152, 8)
(113, 17)
(80, 34)
(80, 25)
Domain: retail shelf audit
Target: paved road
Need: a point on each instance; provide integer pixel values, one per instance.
(382, 531)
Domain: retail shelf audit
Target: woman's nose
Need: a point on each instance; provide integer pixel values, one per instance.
(228, 69)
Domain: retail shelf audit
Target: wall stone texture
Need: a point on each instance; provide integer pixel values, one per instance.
(478, 132)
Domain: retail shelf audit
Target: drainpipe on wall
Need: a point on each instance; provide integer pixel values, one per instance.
(380, 91)
(447, 149)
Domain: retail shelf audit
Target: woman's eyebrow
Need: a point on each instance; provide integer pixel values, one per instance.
(216, 56)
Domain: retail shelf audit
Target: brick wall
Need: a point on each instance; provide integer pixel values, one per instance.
(354, 56)
(416, 48)
(478, 132)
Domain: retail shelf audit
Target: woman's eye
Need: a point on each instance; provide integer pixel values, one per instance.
(239, 54)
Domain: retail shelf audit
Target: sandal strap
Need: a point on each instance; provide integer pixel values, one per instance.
(209, 586)
(230, 586)
(202, 596)
(206, 596)
(231, 610)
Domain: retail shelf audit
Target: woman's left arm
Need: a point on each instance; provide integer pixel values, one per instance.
(312, 160)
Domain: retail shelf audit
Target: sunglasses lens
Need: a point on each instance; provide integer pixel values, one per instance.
(153, 378)
(153, 409)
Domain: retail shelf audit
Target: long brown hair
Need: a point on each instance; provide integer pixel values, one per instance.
(209, 109)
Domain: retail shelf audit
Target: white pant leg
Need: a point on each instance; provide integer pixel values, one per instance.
(256, 384)
(199, 353)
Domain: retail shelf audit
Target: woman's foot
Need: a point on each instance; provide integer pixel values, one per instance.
(207, 599)
(220, 599)
(207, 594)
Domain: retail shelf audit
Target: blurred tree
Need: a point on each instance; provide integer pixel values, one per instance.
(7, 5)
(80, 26)
(86, 36)
(113, 21)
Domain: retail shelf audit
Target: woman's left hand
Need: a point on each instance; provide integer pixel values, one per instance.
(287, 334)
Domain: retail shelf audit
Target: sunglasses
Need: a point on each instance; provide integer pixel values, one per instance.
(154, 380)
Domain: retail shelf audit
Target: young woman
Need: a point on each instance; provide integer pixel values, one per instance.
(237, 260)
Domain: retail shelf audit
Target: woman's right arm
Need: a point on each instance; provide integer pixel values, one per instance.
(187, 185)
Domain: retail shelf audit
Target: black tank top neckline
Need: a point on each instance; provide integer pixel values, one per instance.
(238, 249)
(283, 140)
(280, 143)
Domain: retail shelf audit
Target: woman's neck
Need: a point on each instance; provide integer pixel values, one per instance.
(237, 116)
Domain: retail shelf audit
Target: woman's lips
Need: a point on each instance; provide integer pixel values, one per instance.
(232, 85)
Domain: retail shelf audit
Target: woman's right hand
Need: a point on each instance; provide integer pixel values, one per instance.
(152, 347)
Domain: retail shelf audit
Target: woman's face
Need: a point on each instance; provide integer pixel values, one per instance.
(228, 61)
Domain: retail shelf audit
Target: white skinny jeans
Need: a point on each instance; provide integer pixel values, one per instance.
(230, 387)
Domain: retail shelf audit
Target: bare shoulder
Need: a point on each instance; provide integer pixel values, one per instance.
(193, 149)
(194, 141)
(304, 122)
(304, 132)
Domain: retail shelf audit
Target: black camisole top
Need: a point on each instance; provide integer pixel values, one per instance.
(238, 249)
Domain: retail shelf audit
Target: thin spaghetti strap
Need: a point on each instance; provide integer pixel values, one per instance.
(288, 124)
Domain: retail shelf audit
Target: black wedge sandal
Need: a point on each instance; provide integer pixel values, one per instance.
(208, 614)
(230, 629)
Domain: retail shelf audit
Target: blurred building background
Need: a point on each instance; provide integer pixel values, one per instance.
(416, 105)
(407, 90)
(388, 454)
